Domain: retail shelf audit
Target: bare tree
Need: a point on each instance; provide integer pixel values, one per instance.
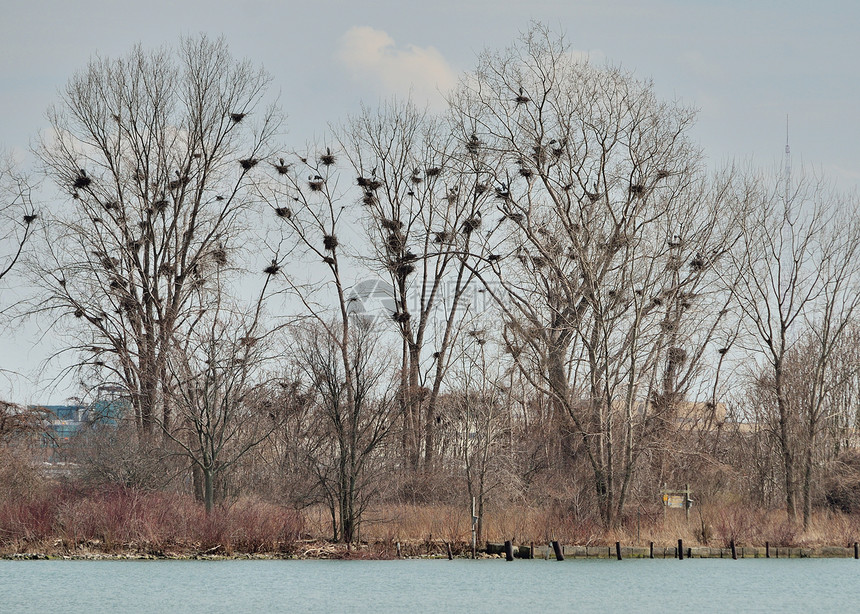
(154, 152)
(352, 423)
(797, 266)
(17, 214)
(603, 248)
(338, 347)
(480, 407)
(418, 196)
(219, 390)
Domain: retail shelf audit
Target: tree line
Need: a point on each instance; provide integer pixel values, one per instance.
(541, 292)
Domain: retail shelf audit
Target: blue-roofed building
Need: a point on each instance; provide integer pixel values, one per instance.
(63, 423)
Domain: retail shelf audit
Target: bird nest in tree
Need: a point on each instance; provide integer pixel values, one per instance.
(473, 144)
(79, 313)
(328, 158)
(416, 178)
(433, 171)
(637, 189)
(127, 303)
(698, 263)
(676, 355)
(248, 163)
(29, 219)
(330, 242)
(392, 225)
(515, 217)
(284, 212)
(521, 98)
(401, 317)
(526, 172)
(369, 199)
(471, 224)
(441, 236)
(503, 193)
(81, 180)
(219, 256)
(316, 183)
(160, 206)
(480, 188)
(178, 182)
(282, 167)
(237, 117)
(395, 242)
(493, 258)
(273, 268)
(369, 183)
(110, 205)
(663, 173)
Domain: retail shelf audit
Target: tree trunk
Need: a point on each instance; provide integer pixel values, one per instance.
(208, 489)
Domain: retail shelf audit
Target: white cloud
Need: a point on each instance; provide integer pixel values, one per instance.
(372, 57)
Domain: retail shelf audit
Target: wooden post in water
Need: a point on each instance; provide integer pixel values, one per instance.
(767, 550)
(651, 550)
(509, 551)
(559, 553)
(450, 554)
(856, 551)
(398, 550)
(680, 549)
(734, 550)
(531, 550)
(618, 550)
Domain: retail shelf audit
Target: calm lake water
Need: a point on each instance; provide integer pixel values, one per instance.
(757, 585)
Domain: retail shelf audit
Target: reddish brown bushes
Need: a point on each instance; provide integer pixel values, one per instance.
(126, 519)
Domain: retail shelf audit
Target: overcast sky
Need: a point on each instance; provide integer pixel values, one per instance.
(744, 64)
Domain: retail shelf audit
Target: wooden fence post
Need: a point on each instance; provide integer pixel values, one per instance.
(618, 550)
(767, 550)
(734, 550)
(680, 549)
(651, 550)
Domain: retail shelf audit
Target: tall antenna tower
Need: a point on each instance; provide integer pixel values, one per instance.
(787, 177)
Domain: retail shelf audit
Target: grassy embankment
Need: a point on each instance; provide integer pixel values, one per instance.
(62, 521)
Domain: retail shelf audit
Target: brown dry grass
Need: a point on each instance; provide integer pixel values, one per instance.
(707, 526)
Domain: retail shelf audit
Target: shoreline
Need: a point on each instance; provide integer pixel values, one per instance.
(379, 552)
